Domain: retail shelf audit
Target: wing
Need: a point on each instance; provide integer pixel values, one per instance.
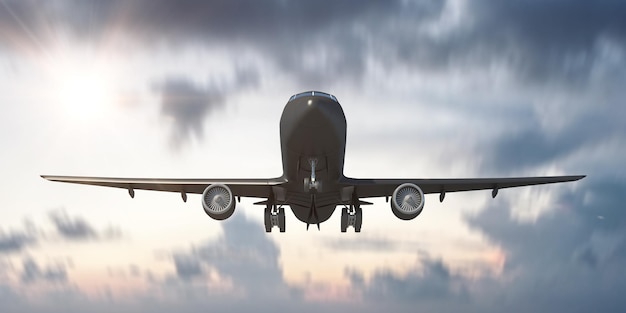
(385, 187)
(240, 187)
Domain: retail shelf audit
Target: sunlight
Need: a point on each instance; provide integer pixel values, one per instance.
(84, 82)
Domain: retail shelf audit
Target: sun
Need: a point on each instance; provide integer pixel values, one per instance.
(84, 94)
(83, 83)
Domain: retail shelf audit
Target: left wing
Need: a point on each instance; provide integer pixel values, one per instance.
(244, 187)
(384, 187)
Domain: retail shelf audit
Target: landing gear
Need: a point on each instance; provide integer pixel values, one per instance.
(274, 216)
(352, 216)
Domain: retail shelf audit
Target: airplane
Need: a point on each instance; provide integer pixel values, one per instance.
(313, 144)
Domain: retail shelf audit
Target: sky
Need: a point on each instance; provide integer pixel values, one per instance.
(195, 89)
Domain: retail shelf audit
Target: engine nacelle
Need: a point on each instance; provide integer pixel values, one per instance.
(218, 201)
(407, 201)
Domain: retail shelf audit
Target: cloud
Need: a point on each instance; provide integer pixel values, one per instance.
(187, 104)
(187, 267)
(557, 130)
(71, 228)
(32, 272)
(567, 258)
(244, 255)
(540, 41)
(78, 228)
(15, 241)
(431, 284)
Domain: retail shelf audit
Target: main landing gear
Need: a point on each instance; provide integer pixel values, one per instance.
(351, 216)
(274, 216)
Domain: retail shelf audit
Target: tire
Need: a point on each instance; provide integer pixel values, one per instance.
(359, 220)
(266, 219)
(281, 220)
(344, 219)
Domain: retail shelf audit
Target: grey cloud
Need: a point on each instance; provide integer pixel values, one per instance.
(72, 228)
(555, 36)
(561, 231)
(78, 228)
(187, 104)
(590, 122)
(568, 258)
(206, 20)
(433, 283)
(244, 254)
(69, 228)
(15, 241)
(187, 267)
(32, 272)
(314, 41)
(541, 41)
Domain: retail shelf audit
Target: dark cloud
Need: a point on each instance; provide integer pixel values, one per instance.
(533, 140)
(318, 43)
(541, 41)
(553, 37)
(187, 104)
(569, 258)
(32, 272)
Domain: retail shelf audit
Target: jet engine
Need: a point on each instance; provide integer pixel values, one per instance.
(218, 201)
(407, 201)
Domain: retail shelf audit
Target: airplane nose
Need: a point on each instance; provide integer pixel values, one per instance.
(320, 108)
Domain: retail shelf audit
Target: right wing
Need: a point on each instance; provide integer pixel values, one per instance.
(384, 187)
(244, 187)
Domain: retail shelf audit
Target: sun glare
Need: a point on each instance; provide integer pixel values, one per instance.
(83, 83)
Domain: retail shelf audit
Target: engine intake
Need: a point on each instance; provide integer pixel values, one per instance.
(407, 201)
(218, 201)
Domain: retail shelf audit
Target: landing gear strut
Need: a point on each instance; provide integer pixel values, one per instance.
(274, 216)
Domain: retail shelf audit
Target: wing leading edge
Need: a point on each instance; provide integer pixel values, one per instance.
(384, 187)
(244, 187)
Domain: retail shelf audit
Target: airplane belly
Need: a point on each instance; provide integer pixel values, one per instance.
(303, 213)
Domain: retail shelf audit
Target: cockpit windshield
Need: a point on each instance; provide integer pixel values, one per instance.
(313, 93)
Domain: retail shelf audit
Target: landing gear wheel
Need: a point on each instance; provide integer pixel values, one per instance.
(281, 219)
(267, 219)
(274, 217)
(351, 217)
(344, 219)
(359, 220)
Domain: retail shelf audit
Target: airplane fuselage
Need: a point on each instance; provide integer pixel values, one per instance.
(313, 136)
